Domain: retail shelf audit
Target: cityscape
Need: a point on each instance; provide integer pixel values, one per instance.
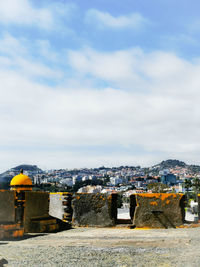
(169, 174)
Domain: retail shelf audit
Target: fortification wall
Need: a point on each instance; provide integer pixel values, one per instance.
(7, 206)
(157, 210)
(36, 206)
(9, 226)
(29, 211)
(94, 210)
(60, 206)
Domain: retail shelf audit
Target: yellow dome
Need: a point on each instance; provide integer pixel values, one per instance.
(21, 179)
(21, 182)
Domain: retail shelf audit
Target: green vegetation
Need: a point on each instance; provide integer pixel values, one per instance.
(194, 184)
(170, 163)
(157, 187)
(119, 201)
(80, 184)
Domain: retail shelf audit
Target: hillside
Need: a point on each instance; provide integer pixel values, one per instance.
(26, 167)
(171, 163)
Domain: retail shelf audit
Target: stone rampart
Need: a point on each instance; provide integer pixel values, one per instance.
(7, 206)
(36, 206)
(159, 210)
(9, 226)
(29, 211)
(25, 212)
(94, 209)
(60, 206)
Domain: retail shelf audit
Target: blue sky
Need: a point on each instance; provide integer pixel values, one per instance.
(92, 83)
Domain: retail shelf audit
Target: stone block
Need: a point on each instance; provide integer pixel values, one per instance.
(60, 206)
(159, 210)
(8, 231)
(94, 209)
(7, 206)
(36, 206)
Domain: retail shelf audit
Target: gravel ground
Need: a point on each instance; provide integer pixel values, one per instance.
(105, 247)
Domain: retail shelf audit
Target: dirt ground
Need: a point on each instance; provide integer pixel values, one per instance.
(105, 247)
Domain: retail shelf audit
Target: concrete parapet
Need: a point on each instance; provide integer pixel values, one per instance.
(36, 207)
(60, 206)
(199, 206)
(94, 209)
(25, 212)
(159, 210)
(8, 231)
(7, 206)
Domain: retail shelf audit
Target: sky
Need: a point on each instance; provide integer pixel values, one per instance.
(99, 82)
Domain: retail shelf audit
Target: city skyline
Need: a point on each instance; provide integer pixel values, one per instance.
(86, 84)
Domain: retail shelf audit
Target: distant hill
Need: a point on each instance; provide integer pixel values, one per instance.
(171, 163)
(26, 167)
(194, 168)
(5, 181)
(7, 176)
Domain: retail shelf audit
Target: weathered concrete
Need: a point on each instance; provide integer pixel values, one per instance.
(36, 206)
(60, 206)
(94, 209)
(9, 226)
(133, 205)
(11, 230)
(158, 210)
(7, 207)
(199, 206)
(25, 211)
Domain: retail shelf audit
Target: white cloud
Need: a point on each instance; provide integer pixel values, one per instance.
(157, 116)
(23, 12)
(16, 54)
(10, 45)
(157, 71)
(50, 120)
(120, 67)
(105, 19)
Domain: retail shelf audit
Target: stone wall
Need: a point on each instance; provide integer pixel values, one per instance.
(7, 206)
(94, 209)
(60, 206)
(9, 226)
(158, 210)
(36, 206)
(29, 211)
(199, 206)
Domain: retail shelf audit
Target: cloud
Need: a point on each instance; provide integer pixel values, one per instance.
(105, 19)
(17, 54)
(63, 122)
(24, 13)
(133, 69)
(118, 68)
(146, 108)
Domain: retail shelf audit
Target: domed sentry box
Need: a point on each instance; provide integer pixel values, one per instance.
(21, 182)
(23, 210)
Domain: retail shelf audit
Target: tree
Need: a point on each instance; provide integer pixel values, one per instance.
(196, 186)
(187, 184)
(157, 187)
(119, 201)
